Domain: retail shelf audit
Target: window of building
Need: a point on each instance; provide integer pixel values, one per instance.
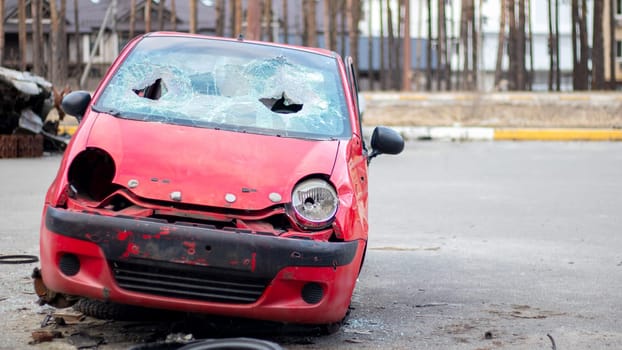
(618, 7)
(619, 49)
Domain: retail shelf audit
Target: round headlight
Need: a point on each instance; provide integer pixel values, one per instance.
(315, 203)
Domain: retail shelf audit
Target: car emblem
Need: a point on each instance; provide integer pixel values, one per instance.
(230, 197)
(133, 183)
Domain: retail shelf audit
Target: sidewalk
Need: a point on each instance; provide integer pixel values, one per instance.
(529, 116)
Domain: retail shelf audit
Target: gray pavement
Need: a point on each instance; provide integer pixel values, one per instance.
(472, 246)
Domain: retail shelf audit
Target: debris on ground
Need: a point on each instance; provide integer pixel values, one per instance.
(25, 102)
(45, 335)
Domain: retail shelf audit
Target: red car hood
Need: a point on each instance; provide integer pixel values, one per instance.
(206, 165)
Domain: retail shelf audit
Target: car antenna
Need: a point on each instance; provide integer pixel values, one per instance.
(241, 37)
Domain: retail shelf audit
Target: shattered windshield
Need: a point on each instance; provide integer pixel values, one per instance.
(229, 85)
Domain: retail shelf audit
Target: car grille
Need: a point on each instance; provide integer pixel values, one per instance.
(187, 282)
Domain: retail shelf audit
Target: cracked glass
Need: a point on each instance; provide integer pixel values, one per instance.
(230, 85)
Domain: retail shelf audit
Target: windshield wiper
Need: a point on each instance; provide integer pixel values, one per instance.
(112, 111)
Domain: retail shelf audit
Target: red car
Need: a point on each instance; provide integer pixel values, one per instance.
(215, 176)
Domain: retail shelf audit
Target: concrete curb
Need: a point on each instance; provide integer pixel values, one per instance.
(457, 133)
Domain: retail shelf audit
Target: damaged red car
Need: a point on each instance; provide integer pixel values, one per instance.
(215, 176)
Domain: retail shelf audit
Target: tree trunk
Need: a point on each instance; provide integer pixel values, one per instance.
(575, 56)
(428, 67)
(22, 35)
(174, 16)
(148, 15)
(406, 73)
(253, 20)
(474, 43)
(37, 37)
(520, 52)
(391, 48)
(62, 43)
(383, 70)
(344, 22)
(309, 35)
(530, 30)
(355, 10)
(550, 46)
(440, 46)
(78, 36)
(285, 23)
(161, 14)
(1, 31)
(500, 44)
(327, 24)
(584, 46)
(219, 10)
(557, 68)
(612, 46)
(193, 16)
(132, 18)
(397, 75)
(513, 49)
(598, 59)
(370, 46)
(268, 18)
(53, 64)
(238, 17)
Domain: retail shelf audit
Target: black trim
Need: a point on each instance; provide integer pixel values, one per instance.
(188, 246)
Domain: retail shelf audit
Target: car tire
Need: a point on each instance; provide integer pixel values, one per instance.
(118, 312)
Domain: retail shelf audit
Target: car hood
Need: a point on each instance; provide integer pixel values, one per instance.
(204, 166)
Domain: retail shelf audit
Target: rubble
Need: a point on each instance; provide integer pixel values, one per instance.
(25, 101)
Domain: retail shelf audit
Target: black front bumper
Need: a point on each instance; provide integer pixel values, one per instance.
(196, 247)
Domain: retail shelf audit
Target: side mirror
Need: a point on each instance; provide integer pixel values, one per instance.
(75, 103)
(385, 141)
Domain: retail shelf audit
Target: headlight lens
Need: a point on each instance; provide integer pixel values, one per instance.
(315, 203)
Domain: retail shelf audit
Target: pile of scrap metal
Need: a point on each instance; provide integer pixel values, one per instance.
(25, 101)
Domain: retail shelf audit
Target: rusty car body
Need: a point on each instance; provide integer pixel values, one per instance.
(214, 176)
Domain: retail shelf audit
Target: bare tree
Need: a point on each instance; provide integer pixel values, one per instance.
(37, 35)
(406, 73)
(343, 8)
(173, 16)
(220, 17)
(193, 16)
(52, 62)
(267, 14)
(383, 70)
(22, 35)
(148, 15)
(579, 45)
(612, 46)
(598, 54)
(428, 67)
(557, 67)
(392, 59)
(237, 17)
(355, 15)
(551, 46)
(61, 52)
(309, 35)
(1, 31)
(76, 19)
(253, 20)
(285, 23)
(370, 45)
(161, 14)
(521, 43)
(440, 46)
(132, 18)
(500, 44)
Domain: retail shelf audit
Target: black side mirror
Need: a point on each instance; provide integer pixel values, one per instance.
(75, 103)
(385, 141)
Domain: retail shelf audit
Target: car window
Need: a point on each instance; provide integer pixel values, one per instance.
(229, 85)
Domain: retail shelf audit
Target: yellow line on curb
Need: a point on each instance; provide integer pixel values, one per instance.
(558, 134)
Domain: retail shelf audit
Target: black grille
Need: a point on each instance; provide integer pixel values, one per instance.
(188, 282)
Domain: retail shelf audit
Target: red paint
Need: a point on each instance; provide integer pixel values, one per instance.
(123, 235)
(204, 173)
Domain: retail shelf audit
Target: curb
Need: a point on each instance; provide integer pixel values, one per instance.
(457, 133)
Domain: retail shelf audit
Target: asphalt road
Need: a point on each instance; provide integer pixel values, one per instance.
(472, 246)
